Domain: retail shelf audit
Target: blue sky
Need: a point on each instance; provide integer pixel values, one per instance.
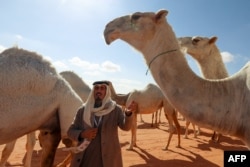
(70, 34)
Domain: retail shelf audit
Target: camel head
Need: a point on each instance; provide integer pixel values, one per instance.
(133, 28)
(196, 46)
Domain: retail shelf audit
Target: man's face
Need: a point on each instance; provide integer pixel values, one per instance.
(99, 94)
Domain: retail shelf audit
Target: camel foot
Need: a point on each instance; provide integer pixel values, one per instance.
(165, 148)
(178, 146)
(130, 149)
(185, 137)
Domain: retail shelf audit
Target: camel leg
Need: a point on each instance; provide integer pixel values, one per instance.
(159, 116)
(133, 132)
(152, 123)
(216, 137)
(141, 118)
(49, 142)
(198, 131)
(154, 115)
(195, 133)
(156, 118)
(186, 131)
(172, 129)
(178, 127)
(8, 149)
(30, 144)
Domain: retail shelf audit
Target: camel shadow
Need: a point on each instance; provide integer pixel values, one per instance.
(234, 144)
(193, 161)
(36, 158)
(146, 125)
(9, 165)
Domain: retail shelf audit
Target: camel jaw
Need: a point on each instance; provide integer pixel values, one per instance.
(110, 36)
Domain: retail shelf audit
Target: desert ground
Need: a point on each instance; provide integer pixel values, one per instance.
(195, 152)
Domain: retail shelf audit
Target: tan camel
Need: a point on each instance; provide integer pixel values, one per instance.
(222, 105)
(209, 59)
(149, 100)
(30, 86)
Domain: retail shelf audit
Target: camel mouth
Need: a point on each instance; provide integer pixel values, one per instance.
(110, 35)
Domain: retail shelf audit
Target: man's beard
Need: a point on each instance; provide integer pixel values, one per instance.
(98, 102)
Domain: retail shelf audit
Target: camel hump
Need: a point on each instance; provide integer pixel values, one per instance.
(77, 84)
(25, 71)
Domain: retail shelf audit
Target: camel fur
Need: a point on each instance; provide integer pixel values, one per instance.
(149, 100)
(209, 59)
(222, 105)
(81, 88)
(31, 87)
(121, 99)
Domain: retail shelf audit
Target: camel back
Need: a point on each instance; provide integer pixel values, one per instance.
(78, 85)
(22, 71)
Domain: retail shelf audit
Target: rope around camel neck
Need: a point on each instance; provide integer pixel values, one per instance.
(158, 56)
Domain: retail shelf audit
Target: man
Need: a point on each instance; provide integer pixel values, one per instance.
(95, 127)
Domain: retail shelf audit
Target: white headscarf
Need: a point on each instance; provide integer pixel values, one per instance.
(107, 106)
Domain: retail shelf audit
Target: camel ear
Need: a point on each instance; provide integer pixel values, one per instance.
(212, 40)
(161, 14)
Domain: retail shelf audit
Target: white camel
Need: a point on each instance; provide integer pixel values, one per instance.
(31, 87)
(120, 99)
(81, 88)
(77, 84)
(209, 59)
(149, 100)
(9, 147)
(222, 105)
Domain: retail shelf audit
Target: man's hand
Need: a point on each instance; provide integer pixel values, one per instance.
(89, 133)
(131, 108)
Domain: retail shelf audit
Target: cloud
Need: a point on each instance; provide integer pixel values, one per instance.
(94, 68)
(76, 61)
(227, 57)
(108, 66)
(60, 65)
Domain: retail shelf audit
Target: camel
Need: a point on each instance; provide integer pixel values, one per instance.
(209, 59)
(81, 88)
(222, 105)
(121, 99)
(77, 84)
(149, 100)
(31, 87)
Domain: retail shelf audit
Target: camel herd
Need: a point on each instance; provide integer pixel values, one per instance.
(31, 86)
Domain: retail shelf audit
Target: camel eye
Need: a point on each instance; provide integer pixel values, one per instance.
(135, 16)
(195, 41)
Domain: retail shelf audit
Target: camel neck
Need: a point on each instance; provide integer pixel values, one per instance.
(163, 53)
(177, 80)
(212, 66)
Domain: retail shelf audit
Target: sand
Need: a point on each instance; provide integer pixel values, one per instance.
(195, 152)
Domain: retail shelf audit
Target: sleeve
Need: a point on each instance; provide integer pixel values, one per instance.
(76, 127)
(124, 122)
